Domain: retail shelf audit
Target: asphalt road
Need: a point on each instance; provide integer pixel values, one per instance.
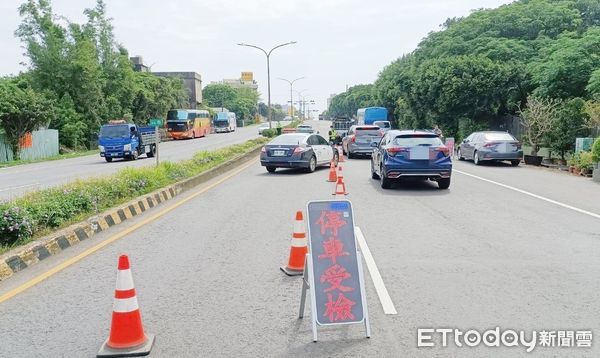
(14, 181)
(476, 256)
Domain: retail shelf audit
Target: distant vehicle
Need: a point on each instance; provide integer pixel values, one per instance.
(225, 122)
(188, 123)
(297, 150)
(262, 127)
(341, 125)
(359, 138)
(491, 146)
(304, 128)
(369, 115)
(384, 125)
(119, 139)
(416, 154)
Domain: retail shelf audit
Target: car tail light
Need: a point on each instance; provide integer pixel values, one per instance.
(353, 139)
(445, 150)
(263, 150)
(517, 144)
(299, 150)
(392, 151)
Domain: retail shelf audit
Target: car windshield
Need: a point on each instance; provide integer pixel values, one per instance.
(498, 136)
(287, 140)
(417, 140)
(118, 131)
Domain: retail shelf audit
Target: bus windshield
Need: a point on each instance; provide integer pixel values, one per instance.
(174, 115)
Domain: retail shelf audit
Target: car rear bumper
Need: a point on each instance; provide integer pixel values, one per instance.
(396, 173)
(501, 156)
(282, 163)
(360, 149)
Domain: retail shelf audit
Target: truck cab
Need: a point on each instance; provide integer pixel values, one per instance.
(119, 139)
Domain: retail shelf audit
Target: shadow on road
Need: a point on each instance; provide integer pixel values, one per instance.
(293, 171)
(412, 187)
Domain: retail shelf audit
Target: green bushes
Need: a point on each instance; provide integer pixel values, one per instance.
(596, 151)
(49, 209)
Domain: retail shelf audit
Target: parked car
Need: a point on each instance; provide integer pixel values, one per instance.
(490, 146)
(384, 125)
(304, 128)
(297, 150)
(359, 138)
(262, 127)
(408, 153)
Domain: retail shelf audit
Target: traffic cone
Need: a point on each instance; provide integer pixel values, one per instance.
(340, 154)
(332, 173)
(340, 189)
(298, 250)
(127, 338)
(339, 172)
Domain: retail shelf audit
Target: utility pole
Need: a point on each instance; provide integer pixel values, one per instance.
(268, 54)
(291, 95)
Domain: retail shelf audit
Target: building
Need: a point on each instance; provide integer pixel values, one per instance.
(138, 64)
(246, 80)
(192, 82)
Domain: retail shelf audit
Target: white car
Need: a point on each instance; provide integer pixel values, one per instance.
(262, 127)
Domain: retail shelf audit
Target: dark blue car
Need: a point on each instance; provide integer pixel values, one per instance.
(411, 154)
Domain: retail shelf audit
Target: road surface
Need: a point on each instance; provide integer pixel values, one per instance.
(483, 254)
(14, 181)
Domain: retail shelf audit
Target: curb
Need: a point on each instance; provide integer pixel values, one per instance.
(22, 257)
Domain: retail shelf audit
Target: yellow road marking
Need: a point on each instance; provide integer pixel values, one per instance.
(10, 294)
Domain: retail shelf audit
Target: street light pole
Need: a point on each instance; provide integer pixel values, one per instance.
(291, 94)
(268, 54)
(300, 101)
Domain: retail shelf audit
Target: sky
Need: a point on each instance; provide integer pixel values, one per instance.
(340, 43)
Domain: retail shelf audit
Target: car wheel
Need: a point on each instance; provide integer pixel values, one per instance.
(374, 174)
(476, 158)
(108, 159)
(193, 135)
(350, 155)
(271, 169)
(443, 183)
(312, 164)
(134, 156)
(515, 163)
(152, 151)
(385, 182)
(460, 157)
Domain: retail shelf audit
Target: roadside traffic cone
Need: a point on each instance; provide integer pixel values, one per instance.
(339, 172)
(298, 250)
(340, 189)
(332, 173)
(340, 154)
(127, 338)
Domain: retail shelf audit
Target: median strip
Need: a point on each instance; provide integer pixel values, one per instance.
(183, 176)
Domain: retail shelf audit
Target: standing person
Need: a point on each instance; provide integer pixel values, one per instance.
(332, 135)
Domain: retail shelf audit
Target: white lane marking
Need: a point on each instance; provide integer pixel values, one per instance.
(594, 215)
(19, 187)
(382, 292)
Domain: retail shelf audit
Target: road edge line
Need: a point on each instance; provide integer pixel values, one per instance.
(382, 292)
(567, 206)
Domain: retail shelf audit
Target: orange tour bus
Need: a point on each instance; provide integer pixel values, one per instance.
(188, 123)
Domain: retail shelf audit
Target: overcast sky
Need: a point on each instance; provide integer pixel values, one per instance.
(340, 42)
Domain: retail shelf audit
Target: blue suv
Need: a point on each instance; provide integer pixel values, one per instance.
(411, 153)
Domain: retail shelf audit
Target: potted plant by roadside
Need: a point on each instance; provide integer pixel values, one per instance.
(585, 163)
(538, 119)
(573, 162)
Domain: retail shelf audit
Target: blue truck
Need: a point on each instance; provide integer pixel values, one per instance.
(369, 115)
(119, 139)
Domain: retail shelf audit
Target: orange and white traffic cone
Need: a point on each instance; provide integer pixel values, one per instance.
(127, 337)
(298, 250)
(340, 189)
(339, 172)
(340, 154)
(332, 173)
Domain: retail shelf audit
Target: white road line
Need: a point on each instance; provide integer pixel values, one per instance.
(594, 215)
(19, 187)
(382, 292)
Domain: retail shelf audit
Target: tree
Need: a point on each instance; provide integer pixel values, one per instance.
(592, 120)
(570, 124)
(538, 119)
(218, 95)
(22, 110)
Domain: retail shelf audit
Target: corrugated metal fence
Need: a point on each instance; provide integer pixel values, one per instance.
(41, 144)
